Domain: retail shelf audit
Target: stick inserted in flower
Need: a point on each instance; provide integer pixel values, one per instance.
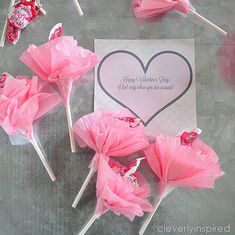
(109, 134)
(183, 161)
(22, 102)
(60, 62)
(153, 8)
(121, 190)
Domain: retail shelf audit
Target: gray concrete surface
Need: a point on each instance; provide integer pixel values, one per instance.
(32, 205)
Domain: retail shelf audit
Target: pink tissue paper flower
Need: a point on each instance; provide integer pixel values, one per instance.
(110, 134)
(194, 166)
(152, 8)
(60, 61)
(22, 101)
(119, 193)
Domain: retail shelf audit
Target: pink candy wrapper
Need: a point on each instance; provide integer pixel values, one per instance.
(152, 8)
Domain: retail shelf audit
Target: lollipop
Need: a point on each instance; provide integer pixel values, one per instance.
(152, 8)
(22, 102)
(121, 190)
(183, 161)
(109, 134)
(60, 62)
(20, 15)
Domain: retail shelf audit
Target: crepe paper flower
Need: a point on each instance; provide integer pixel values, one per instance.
(181, 163)
(153, 8)
(22, 102)
(108, 134)
(119, 191)
(226, 60)
(60, 62)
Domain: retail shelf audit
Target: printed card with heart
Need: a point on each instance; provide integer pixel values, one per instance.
(154, 79)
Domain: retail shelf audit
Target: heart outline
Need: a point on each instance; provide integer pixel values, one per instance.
(145, 69)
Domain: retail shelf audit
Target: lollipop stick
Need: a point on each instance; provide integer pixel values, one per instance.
(43, 159)
(206, 21)
(70, 126)
(149, 217)
(39, 5)
(42, 11)
(88, 224)
(86, 182)
(4, 32)
(79, 9)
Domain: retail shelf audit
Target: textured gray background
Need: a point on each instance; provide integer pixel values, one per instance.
(30, 204)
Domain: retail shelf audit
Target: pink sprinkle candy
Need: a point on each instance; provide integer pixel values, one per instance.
(133, 122)
(56, 31)
(187, 138)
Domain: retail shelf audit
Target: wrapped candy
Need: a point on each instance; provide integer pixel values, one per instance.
(108, 134)
(60, 62)
(121, 190)
(20, 15)
(22, 102)
(183, 161)
(153, 8)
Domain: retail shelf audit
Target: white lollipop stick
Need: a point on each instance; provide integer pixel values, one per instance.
(86, 182)
(43, 159)
(4, 32)
(70, 126)
(39, 5)
(79, 9)
(149, 217)
(42, 11)
(88, 224)
(206, 21)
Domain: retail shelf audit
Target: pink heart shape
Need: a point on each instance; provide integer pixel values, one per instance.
(145, 90)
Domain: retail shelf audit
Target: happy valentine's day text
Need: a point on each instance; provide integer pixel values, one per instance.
(145, 83)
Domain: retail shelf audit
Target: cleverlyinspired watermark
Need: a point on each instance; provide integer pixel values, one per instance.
(194, 229)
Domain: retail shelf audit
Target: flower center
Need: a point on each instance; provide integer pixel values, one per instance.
(55, 76)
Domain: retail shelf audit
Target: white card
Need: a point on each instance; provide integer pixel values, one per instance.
(154, 79)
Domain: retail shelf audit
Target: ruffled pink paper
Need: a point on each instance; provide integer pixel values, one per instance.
(152, 8)
(22, 101)
(60, 61)
(117, 194)
(108, 135)
(195, 166)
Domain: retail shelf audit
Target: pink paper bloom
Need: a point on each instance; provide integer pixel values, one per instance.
(60, 61)
(22, 101)
(152, 8)
(109, 134)
(191, 166)
(119, 194)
